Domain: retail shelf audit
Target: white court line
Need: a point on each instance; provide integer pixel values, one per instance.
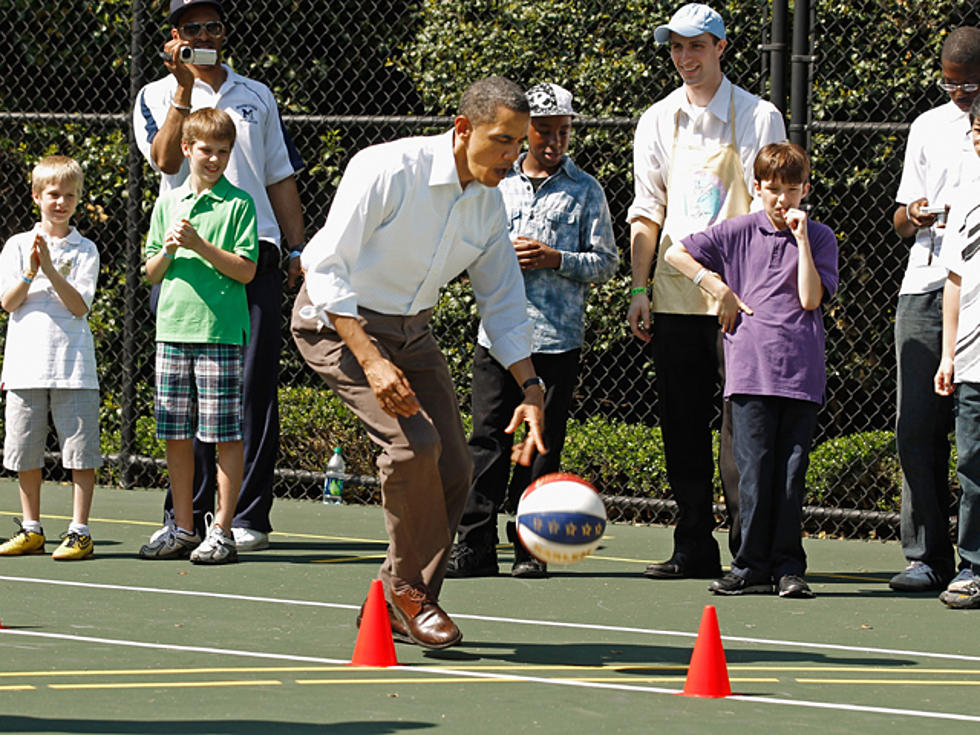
(839, 706)
(512, 621)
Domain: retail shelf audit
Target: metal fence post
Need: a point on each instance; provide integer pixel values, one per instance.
(800, 73)
(127, 448)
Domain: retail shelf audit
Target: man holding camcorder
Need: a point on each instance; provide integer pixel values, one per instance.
(264, 163)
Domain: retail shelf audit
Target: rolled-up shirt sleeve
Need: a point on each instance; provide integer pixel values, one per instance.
(357, 210)
(499, 290)
(649, 174)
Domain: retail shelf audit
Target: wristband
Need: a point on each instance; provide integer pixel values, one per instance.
(24, 277)
(536, 380)
(699, 276)
(637, 290)
(168, 255)
(182, 108)
(295, 253)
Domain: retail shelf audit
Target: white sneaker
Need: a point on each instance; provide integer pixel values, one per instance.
(248, 539)
(168, 525)
(169, 543)
(216, 548)
(961, 581)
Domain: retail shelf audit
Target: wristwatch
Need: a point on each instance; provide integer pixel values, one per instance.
(536, 380)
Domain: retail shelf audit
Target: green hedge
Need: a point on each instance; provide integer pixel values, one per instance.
(859, 471)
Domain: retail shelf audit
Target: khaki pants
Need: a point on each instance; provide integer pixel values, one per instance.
(425, 465)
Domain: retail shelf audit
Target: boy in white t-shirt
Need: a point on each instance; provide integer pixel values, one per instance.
(47, 282)
(959, 373)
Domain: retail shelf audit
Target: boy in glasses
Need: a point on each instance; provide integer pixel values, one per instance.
(938, 159)
(770, 272)
(263, 162)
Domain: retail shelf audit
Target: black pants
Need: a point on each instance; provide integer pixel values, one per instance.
(688, 357)
(495, 396)
(260, 407)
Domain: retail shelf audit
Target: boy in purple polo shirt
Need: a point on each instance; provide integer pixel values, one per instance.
(770, 271)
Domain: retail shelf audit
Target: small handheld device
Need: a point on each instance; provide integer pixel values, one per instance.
(191, 55)
(939, 211)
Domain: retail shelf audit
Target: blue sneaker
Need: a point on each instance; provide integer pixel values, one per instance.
(917, 577)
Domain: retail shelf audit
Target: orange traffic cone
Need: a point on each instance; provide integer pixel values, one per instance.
(707, 675)
(375, 646)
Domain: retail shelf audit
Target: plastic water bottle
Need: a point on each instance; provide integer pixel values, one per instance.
(333, 484)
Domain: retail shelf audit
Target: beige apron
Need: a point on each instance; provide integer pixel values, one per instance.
(702, 189)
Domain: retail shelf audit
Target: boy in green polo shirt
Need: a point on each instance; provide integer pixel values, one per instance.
(202, 249)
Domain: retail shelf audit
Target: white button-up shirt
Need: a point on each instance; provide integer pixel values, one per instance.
(401, 227)
(263, 153)
(757, 123)
(939, 160)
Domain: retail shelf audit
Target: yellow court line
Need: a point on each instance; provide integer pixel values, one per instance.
(902, 682)
(855, 669)
(363, 557)
(18, 688)
(170, 684)
(518, 679)
(474, 667)
(158, 672)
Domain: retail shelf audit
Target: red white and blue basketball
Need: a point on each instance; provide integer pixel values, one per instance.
(560, 518)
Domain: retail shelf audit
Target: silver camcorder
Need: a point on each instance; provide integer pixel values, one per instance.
(191, 55)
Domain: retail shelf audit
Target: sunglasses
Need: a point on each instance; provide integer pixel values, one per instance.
(214, 28)
(949, 87)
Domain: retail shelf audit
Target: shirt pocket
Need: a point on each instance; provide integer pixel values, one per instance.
(562, 226)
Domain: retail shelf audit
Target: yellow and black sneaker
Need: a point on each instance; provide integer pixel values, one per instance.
(74, 546)
(23, 542)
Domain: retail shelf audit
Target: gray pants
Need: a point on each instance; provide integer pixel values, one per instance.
(425, 465)
(922, 432)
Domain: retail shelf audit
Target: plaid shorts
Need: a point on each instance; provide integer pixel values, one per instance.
(211, 371)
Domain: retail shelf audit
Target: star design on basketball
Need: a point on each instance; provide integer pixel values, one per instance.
(570, 529)
(537, 523)
(586, 529)
(553, 526)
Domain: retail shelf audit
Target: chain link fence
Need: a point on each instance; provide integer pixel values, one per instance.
(351, 73)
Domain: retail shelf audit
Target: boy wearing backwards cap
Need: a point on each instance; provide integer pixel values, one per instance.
(692, 160)
(562, 232)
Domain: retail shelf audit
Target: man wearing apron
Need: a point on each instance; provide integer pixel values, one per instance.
(693, 155)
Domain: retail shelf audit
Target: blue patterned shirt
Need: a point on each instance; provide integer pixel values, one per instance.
(568, 213)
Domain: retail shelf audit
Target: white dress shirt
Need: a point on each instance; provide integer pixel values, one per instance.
(939, 160)
(263, 153)
(757, 123)
(400, 227)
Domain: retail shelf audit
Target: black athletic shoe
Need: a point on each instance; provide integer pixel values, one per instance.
(525, 565)
(791, 585)
(733, 584)
(471, 561)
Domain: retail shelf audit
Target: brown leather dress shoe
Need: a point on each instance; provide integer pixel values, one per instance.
(425, 622)
(398, 631)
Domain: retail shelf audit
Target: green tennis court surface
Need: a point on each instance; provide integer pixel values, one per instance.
(120, 645)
